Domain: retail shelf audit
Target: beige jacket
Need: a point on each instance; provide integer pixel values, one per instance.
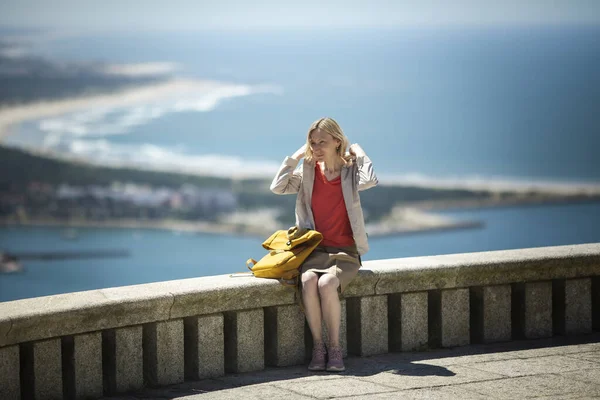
(359, 176)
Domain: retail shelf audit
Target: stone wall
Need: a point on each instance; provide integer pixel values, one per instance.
(108, 341)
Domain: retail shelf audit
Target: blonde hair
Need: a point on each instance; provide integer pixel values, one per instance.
(328, 125)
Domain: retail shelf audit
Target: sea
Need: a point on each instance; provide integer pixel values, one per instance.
(511, 105)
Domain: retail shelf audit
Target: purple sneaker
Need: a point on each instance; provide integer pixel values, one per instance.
(318, 357)
(336, 360)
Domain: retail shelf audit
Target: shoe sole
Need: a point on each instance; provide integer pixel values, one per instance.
(336, 369)
(316, 369)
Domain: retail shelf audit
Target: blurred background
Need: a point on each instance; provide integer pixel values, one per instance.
(138, 138)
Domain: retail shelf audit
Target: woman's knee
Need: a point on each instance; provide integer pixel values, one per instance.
(328, 283)
(309, 280)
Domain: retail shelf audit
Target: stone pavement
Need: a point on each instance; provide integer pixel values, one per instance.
(556, 368)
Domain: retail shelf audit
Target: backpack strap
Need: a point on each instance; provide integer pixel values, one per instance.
(240, 274)
(249, 262)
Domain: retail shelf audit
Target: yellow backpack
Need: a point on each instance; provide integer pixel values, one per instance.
(287, 251)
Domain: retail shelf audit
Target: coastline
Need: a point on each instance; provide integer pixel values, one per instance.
(15, 114)
(546, 199)
(405, 219)
(169, 225)
(413, 222)
(416, 218)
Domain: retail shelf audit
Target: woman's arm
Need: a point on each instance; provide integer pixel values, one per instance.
(366, 175)
(287, 180)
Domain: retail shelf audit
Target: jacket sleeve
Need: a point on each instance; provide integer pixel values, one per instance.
(287, 180)
(365, 174)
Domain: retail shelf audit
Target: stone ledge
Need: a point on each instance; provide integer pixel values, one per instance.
(71, 313)
(67, 314)
(477, 269)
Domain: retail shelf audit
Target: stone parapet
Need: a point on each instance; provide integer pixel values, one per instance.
(86, 344)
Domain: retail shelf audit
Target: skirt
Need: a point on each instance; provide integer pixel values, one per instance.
(343, 262)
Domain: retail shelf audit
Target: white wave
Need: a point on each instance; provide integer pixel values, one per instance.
(211, 100)
(491, 183)
(149, 156)
(14, 52)
(105, 120)
(141, 69)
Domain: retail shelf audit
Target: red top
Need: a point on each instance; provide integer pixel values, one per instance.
(329, 210)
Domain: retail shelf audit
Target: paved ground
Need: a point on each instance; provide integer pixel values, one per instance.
(557, 368)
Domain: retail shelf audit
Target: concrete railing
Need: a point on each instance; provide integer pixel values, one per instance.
(89, 344)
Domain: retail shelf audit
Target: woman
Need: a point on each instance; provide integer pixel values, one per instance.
(327, 186)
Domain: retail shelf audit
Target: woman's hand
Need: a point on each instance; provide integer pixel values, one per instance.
(352, 152)
(356, 151)
(299, 154)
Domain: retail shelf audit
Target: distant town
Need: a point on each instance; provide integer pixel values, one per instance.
(119, 200)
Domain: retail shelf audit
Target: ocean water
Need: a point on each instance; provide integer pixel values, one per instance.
(504, 104)
(164, 255)
(456, 104)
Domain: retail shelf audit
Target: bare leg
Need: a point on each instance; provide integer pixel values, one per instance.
(331, 307)
(312, 304)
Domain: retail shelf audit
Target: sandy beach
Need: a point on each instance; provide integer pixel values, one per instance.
(11, 115)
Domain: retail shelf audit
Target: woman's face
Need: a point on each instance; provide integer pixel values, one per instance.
(323, 145)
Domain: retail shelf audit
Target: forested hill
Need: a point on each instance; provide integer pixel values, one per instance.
(20, 168)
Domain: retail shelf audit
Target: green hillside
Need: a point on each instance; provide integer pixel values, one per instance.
(21, 168)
